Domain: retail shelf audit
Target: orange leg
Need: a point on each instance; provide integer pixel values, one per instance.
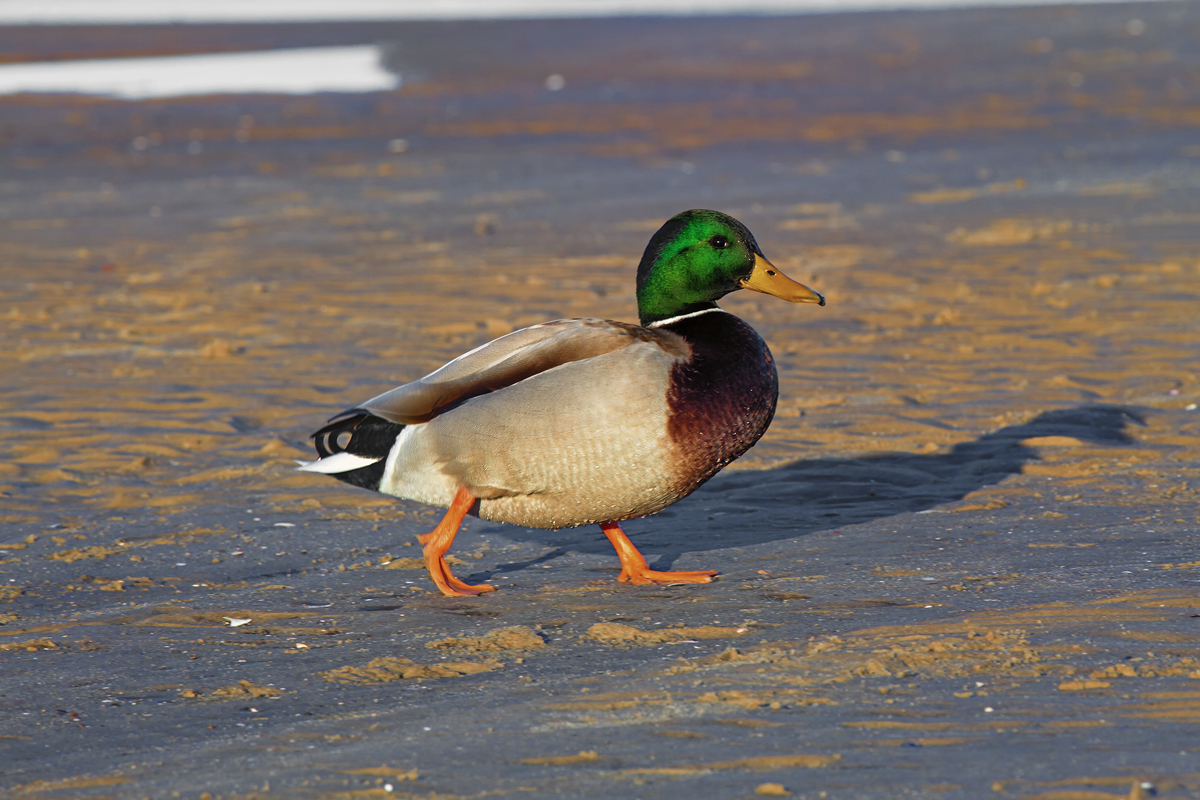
(633, 563)
(438, 541)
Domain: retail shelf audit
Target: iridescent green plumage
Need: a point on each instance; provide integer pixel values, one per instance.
(695, 259)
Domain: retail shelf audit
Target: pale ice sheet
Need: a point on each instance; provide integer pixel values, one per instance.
(294, 71)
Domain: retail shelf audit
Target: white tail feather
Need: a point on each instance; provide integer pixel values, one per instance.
(338, 462)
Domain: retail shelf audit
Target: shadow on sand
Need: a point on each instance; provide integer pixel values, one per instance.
(749, 508)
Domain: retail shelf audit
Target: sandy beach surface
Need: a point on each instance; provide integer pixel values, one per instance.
(962, 563)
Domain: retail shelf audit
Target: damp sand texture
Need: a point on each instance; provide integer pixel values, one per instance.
(962, 562)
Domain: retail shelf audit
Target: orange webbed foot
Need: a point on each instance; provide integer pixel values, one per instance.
(654, 576)
(633, 564)
(438, 541)
(449, 585)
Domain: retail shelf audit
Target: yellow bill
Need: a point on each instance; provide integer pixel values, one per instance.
(767, 278)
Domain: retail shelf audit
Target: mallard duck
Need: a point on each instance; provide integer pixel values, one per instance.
(583, 421)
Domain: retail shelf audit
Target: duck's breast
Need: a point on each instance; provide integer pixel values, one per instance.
(722, 399)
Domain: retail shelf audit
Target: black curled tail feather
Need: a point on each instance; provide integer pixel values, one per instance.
(359, 433)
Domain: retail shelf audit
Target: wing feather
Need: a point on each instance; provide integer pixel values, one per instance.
(509, 360)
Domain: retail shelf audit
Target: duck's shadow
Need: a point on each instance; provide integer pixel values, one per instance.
(748, 508)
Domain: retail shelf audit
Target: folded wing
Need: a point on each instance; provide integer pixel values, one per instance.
(506, 361)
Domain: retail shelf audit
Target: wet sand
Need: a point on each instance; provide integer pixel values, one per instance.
(961, 563)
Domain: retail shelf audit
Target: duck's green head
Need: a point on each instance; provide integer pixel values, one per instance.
(700, 256)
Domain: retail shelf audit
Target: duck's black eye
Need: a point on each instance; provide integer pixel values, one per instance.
(719, 242)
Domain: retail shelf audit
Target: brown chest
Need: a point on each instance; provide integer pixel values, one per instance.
(721, 399)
